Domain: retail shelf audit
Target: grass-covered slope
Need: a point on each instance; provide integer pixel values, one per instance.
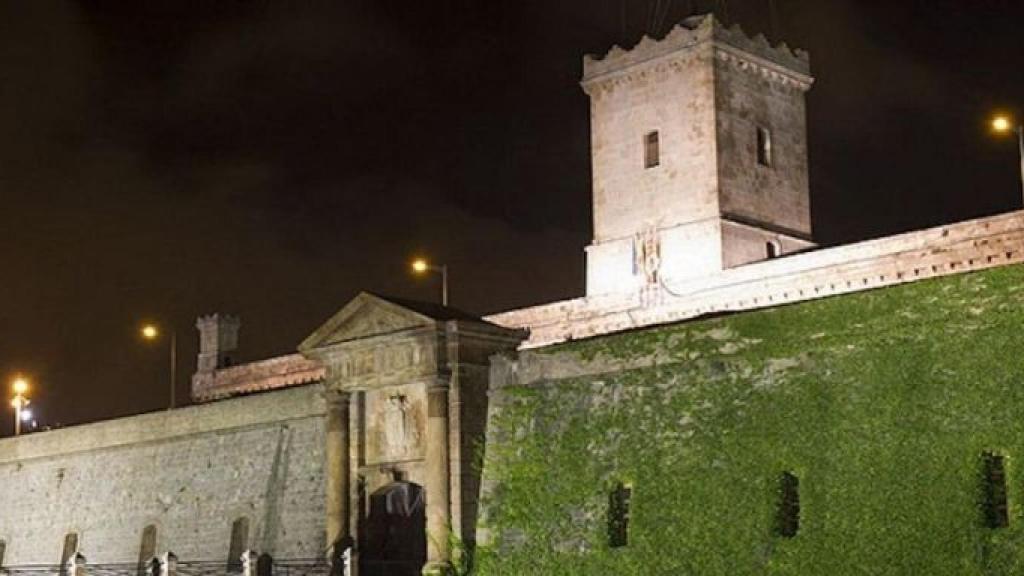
(881, 403)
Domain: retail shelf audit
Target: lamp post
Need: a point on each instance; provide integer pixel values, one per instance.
(19, 401)
(1004, 125)
(151, 333)
(421, 266)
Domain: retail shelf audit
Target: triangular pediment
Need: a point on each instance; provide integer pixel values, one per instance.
(366, 316)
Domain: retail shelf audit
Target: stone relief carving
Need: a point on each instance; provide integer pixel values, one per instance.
(648, 255)
(381, 360)
(370, 323)
(399, 432)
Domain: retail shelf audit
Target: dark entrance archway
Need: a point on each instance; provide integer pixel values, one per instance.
(394, 536)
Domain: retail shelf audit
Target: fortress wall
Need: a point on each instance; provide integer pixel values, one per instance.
(882, 403)
(971, 245)
(190, 472)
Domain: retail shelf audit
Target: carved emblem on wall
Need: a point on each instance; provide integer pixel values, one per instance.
(648, 255)
(399, 431)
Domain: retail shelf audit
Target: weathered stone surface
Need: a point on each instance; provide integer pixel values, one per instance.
(417, 377)
(190, 472)
(951, 249)
(707, 204)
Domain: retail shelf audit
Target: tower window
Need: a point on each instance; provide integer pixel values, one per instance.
(772, 249)
(764, 146)
(618, 516)
(787, 519)
(652, 152)
(3, 549)
(994, 491)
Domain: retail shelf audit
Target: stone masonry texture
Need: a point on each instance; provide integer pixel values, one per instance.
(705, 91)
(189, 472)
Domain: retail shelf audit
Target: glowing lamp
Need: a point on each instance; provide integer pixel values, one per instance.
(1001, 124)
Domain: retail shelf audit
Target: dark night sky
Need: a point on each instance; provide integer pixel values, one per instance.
(270, 159)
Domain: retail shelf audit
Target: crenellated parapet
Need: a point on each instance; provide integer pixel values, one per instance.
(730, 44)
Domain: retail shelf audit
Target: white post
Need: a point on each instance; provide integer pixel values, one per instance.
(168, 564)
(346, 562)
(76, 565)
(249, 559)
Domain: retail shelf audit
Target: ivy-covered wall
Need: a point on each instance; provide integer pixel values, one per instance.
(881, 403)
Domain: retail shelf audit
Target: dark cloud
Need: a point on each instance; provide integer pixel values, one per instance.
(167, 159)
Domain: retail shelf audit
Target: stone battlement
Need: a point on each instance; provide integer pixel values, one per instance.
(692, 32)
(940, 251)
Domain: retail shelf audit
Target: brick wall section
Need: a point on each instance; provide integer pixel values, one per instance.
(943, 250)
(190, 472)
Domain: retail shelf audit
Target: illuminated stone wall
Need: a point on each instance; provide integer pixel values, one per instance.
(944, 250)
(704, 91)
(189, 472)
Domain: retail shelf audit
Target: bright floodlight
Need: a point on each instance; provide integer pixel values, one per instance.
(20, 386)
(1001, 124)
(420, 265)
(26, 415)
(149, 332)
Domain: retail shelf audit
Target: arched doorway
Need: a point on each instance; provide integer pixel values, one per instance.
(394, 536)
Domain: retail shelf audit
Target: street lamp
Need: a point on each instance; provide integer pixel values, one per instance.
(151, 333)
(19, 401)
(1002, 124)
(421, 266)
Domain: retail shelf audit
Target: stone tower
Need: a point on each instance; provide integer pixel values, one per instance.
(218, 340)
(699, 154)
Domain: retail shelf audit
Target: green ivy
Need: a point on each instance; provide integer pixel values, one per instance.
(881, 403)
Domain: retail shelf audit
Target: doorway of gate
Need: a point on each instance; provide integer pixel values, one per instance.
(394, 538)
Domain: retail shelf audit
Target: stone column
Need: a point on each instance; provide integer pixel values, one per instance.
(437, 477)
(337, 471)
